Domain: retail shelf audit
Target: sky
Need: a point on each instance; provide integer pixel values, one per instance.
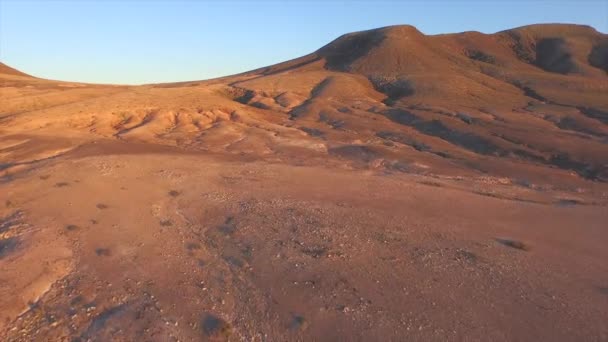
(152, 41)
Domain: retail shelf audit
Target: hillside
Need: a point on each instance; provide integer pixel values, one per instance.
(6, 70)
(527, 103)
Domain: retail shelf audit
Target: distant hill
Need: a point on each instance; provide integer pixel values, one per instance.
(525, 103)
(5, 69)
(470, 67)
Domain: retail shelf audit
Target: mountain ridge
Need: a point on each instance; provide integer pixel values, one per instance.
(393, 95)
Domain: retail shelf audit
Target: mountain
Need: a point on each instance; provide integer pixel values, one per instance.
(470, 67)
(6, 70)
(518, 103)
(391, 185)
(514, 94)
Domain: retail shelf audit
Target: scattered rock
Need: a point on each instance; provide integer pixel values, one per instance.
(464, 255)
(233, 261)
(7, 246)
(567, 202)
(102, 251)
(229, 226)
(315, 251)
(71, 227)
(513, 244)
(215, 327)
(193, 245)
(298, 323)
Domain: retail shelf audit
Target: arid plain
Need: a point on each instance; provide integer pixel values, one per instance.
(389, 186)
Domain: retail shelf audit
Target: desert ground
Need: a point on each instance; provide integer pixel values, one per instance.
(389, 186)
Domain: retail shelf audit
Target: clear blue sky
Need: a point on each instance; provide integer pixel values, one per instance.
(143, 41)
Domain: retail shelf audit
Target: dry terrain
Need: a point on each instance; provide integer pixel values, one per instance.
(389, 186)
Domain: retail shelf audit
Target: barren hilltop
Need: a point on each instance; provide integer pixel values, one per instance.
(390, 185)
